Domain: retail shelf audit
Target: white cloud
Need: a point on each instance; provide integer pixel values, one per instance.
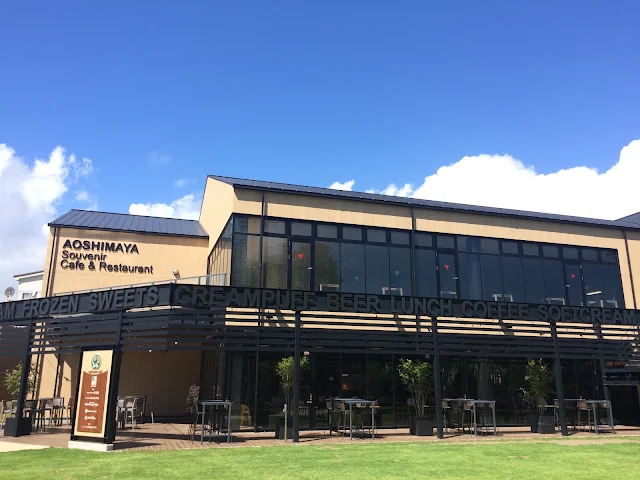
(348, 185)
(506, 182)
(187, 207)
(181, 182)
(83, 197)
(29, 195)
(158, 158)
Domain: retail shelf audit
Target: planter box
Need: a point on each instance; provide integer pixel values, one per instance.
(15, 428)
(281, 433)
(533, 420)
(423, 427)
(546, 424)
(412, 425)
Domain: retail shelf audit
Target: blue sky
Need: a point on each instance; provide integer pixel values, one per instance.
(313, 92)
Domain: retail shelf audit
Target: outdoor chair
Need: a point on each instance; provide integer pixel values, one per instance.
(467, 407)
(603, 416)
(69, 409)
(7, 410)
(57, 410)
(30, 410)
(151, 406)
(344, 415)
(583, 407)
(133, 410)
(41, 414)
(330, 408)
(245, 415)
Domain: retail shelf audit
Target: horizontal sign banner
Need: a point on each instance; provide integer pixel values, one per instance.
(202, 296)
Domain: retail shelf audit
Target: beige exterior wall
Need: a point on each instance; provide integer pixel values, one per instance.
(167, 377)
(217, 206)
(164, 253)
(633, 239)
(67, 377)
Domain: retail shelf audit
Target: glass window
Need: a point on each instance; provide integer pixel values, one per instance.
(301, 229)
(612, 286)
(352, 268)
(448, 276)
(377, 269)
(300, 266)
(468, 244)
(570, 253)
(533, 280)
(424, 240)
(378, 236)
(513, 280)
(590, 254)
(609, 256)
(510, 248)
(274, 226)
(551, 251)
(489, 245)
(274, 262)
(352, 233)
(246, 225)
(426, 284)
(327, 267)
(470, 276)
(593, 285)
(491, 277)
(245, 261)
(400, 270)
(445, 241)
(530, 249)
(574, 284)
(400, 238)
(554, 282)
(327, 231)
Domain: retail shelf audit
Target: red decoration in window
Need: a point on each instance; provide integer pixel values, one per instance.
(573, 275)
(446, 267)
(301, 256)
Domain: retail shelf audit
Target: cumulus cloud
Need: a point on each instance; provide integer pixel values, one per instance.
(181, 183)
(30, 194)
(158, 158)
(91, 202)
(348, 185)
(187, 207)
(506, 182)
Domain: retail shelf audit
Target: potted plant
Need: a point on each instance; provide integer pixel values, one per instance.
(285, 372)
(539, 378)
(12, 378)
(417, 377)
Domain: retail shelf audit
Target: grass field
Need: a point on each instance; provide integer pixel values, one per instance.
(495, 460)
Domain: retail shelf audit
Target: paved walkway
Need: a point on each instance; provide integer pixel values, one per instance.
(173, 436)
(9, 446)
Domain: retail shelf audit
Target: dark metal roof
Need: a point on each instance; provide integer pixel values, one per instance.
(634, 218)
(415, 202)
(119, 222)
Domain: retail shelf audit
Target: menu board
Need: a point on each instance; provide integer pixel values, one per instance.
(93, 393)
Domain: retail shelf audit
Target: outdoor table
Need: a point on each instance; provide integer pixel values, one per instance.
(215, 403)
(351, 402)
(594, 405)
(474, 403)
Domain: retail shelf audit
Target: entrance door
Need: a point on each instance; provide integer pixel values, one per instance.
(301, 271)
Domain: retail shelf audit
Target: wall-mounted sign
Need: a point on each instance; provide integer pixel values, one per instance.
(87, 255)
(93, 393)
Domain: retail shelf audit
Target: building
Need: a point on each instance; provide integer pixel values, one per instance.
(29, 285)
(373, 258)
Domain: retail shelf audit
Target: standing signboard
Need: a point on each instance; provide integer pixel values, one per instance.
(90, 422)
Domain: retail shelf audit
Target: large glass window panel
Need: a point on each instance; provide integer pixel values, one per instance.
(609, 256)
(574, 283)
(300, 266)
(593, 284)
(352, 268)
(551, 251)
(510, 248)
(377, 269)
(274, 262)
(554, 282)
(400, 270)
(426, 273)
(327, 268)
(245, 261)
(274, 226)
(424, 240)
(590, 254)
(468, 244)
(445, 241)
(570, 253)
(489, 245)
(246, 224)
(352, 233)
(513, 279)
(530, 249)
(448, 275)
(533, 280)
(300, 229)
(612, 286)
(327, 231)
(400, 238)
(377, 236)
(491, 277)
(470, 276)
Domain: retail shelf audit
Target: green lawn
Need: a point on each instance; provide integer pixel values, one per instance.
(495, 460)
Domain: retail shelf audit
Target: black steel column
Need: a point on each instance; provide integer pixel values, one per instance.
(598, 329)
(295, 408)
(437, 378)
(24, 382)
(562, 412)
(255, 382)
(112, 403)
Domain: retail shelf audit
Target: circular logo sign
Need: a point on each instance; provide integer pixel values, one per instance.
(96, 362)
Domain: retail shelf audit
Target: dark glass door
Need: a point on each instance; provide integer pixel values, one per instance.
(301, 271)
(573, 280)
